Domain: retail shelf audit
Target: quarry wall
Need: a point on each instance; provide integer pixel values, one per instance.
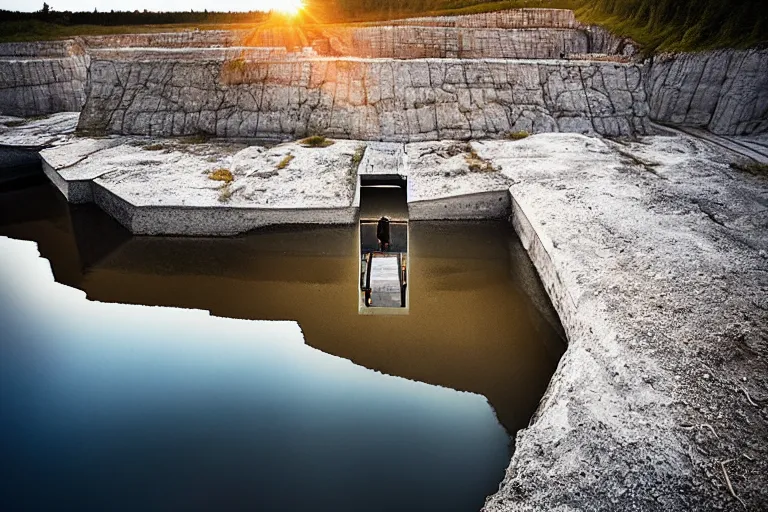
(42, 77)
(369, 99)
(724, 91)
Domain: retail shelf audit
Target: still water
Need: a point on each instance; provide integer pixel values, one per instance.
(118, 407)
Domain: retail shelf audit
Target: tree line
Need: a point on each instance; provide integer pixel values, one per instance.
(115, 18)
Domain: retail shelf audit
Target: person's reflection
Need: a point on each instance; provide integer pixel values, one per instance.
(382, 233)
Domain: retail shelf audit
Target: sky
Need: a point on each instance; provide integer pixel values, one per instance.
(132, 5)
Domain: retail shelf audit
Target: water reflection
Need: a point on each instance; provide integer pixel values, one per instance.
(478, 321)
(117, 407)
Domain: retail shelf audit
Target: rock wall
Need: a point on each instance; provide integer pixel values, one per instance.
(42, 78)
(191, 39)
(724, 91)
(511, 18)
(41, 49)
(408, 42)
(363, 99)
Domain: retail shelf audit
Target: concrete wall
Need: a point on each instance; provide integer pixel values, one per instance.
(363, 99)
(480, 206)
(724, 91)
(41, 78)
(210, 221)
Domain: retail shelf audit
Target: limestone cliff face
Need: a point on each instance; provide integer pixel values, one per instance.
(410, 42)
(510, 18)
(363, 99)
(41, 78)
(724, 91)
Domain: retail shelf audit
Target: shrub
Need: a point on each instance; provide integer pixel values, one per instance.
(154, 147)
(285, 161)
(316, 141)
(221, 175)
(477, 164)
(521, 134)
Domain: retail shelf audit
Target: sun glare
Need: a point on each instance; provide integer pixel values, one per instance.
(289, 7)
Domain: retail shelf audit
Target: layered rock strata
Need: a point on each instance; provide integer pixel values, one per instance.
(410, 100)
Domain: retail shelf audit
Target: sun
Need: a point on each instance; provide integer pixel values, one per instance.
(289, 7)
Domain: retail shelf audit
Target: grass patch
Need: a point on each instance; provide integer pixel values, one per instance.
(37, 30)
(521, 134)
(285, 161)
(316, 141)
(751, 167)
(357, 157)
(221, 175)
(154, 147)
(477, 164)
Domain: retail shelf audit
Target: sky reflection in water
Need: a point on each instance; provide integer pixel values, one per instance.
(119, 407)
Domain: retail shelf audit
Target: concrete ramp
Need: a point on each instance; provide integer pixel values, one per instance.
(385, 280)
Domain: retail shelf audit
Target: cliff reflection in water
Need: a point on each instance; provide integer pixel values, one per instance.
(478, 319)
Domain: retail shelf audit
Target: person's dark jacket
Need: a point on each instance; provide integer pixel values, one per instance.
(382, 230)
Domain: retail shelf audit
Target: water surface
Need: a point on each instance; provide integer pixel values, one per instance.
(132, 410)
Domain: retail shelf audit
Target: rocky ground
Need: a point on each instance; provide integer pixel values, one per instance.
(37, 132)
(658, 249)
(184, 172)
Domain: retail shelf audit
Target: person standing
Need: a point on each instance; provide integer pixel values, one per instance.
(382, 233)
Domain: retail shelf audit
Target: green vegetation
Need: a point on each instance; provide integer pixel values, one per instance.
(516, 135)
(681, 25)
(221, 175)
(285, 161)
(658, 25)
(357, 157)
(47, 24)
(316, 141)
(477, 164)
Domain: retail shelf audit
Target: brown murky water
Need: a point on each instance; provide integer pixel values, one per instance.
(478, 318)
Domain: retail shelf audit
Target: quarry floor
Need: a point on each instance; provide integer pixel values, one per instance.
(654, 253)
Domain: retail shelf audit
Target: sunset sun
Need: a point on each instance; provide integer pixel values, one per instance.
(289, 7)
